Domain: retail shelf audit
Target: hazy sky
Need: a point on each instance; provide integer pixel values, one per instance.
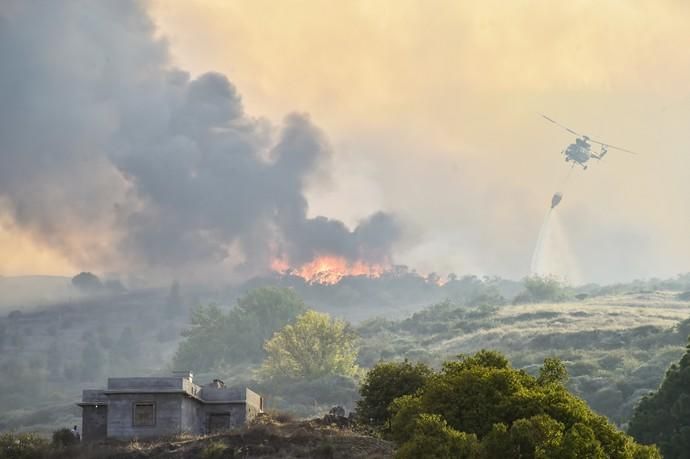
(431, 109)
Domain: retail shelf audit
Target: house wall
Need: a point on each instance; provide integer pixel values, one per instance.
(215, 394)
(190, 419)
(168, 417)
(237, 412)
(94, 422)
(253, 406)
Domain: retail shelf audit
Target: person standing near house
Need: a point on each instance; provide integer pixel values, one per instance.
(75, 432)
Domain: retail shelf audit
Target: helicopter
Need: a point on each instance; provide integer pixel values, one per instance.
(581, 151)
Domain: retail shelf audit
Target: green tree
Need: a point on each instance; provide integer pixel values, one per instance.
(497, 443)
(538, 436)
(663, 417)
(259, 314)
(383, 384)
(238, 336)
(580, 441)
(484, 359)
(312, 347)
(205, 342)
(434, 439)
(511, 412)
(553, 372)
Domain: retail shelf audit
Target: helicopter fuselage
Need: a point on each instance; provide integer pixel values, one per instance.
(579, 152)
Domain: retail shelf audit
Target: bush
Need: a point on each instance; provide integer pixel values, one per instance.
(433, 438)
(323, 451)
(541, 289)
(22, 446)
(511, 413)
(217, 450)
(283, 417)
(64, 437)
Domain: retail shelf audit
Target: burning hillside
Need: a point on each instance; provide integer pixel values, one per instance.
(329, 269)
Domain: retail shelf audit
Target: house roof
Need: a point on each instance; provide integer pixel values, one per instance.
(179, 383)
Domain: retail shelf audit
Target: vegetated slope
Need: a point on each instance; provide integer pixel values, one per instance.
(395, 294)
(47, 357)
(616, 348)
(48, 354)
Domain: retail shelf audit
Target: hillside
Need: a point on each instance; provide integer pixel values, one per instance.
(617, 347)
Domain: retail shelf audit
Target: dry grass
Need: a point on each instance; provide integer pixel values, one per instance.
(266, 438)
(607, 313)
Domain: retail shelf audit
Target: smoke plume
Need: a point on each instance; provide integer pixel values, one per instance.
(118, 158)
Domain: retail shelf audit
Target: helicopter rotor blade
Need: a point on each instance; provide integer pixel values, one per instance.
(608, 145)
(560, 125)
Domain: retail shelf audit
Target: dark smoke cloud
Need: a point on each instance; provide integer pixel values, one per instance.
(100, 136)
(370, 241)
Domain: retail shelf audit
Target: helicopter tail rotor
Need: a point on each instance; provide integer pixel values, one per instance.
(602, 153)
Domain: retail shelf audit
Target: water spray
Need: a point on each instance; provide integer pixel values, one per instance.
(540, 255)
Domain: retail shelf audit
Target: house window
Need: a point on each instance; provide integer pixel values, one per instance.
(144, 414)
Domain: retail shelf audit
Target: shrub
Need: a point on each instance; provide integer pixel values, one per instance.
(217, 450)
(64, 437)
(541, 289)
(323, 451)
(283, 417)
(509, 411)
(22, 446)
(433, 437)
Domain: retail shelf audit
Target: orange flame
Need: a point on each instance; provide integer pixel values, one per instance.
(328, 269)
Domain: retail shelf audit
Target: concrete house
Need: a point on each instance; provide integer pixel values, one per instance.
(160, 406)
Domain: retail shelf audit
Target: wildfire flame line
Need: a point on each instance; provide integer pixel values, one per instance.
(328, 269)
